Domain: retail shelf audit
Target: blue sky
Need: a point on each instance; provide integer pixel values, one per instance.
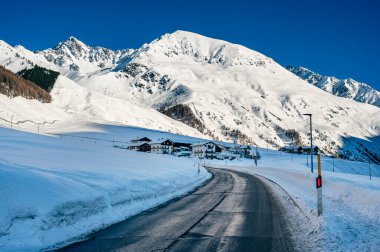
(339, 38)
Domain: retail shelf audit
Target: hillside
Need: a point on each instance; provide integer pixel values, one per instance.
(215, 87)
(11, 85)
(63, 189)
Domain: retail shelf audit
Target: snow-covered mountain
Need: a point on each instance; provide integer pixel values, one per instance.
(347, 88)
(73, 54)
(213, 86)
(72, 103)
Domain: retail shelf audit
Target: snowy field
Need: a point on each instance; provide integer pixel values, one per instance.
(351, 202)
(59, 187)
(55, 190)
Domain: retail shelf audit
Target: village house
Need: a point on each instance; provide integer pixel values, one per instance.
(227, 155)
(207, 150)
(181, 145)
(139, 146)
(298, 149)
(162, 147)
(141, 140)
(182, 152)
(243, 151)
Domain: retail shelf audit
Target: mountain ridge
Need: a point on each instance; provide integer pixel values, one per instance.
(221, 86)
(348, 88)
(75, 55)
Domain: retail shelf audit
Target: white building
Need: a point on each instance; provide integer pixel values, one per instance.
(227, 155)
(162, 147)
(243, 151)
(205, 150)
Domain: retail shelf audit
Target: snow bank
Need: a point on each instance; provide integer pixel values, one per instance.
(351, 202)
(56, 190)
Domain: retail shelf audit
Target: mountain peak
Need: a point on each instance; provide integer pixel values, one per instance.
(180, 35)
(4, 44)
(71, 38)
(186, 33)
(201, 49)
(299, 69)
(75, 55)
(348, 88)
(304, 69)
(71, 42)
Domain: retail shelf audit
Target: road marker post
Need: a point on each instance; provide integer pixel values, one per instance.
(319, 187)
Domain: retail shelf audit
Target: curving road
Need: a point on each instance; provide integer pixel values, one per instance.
(234, 211)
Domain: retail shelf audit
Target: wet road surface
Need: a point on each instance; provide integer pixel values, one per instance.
(234, 211)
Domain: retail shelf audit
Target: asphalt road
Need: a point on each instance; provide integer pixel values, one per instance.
(232, 212)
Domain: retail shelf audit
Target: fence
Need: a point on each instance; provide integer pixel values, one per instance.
(329, 164)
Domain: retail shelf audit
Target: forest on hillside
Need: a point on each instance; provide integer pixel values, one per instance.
(12, 85)
(43, 77)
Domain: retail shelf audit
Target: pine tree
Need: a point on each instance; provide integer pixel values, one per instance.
(45, 78)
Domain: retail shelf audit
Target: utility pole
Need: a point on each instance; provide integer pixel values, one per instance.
(311, 141)
(369, 168)
(293, 132)
(333, 164)
(234, 135)
(256, 156)
(319, 187)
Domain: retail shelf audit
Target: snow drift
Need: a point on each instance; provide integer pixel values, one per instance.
(56, 190)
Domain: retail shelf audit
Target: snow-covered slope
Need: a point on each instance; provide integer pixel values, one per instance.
(57, 190)
(73, 102)
(347, 88)
(213, 86)
(18, 58)
(228, 86)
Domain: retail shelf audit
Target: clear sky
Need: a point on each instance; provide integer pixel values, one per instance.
(332, 37)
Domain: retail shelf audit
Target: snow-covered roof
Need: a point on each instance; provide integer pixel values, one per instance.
(297, 147)
(203, 143)
(136, 144)
(160, 141)
(141, 139)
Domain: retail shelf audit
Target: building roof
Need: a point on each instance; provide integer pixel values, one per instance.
(161, 141)
(143, 139)
(293, 147)
(203, 143)
(136, 144)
